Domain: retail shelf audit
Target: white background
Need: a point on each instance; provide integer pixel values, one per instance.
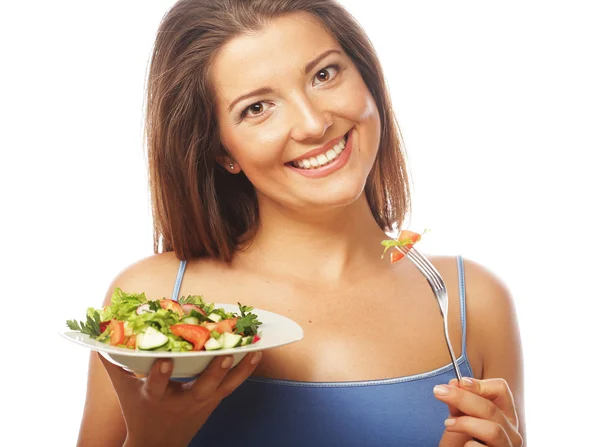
(498, 102)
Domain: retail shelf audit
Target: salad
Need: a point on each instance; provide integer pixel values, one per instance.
(188, 324)
(406, 239)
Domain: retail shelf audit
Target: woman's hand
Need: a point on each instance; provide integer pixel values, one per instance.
(482, 412)
(160, 412)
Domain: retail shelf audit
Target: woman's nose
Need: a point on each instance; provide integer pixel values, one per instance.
(310, 121)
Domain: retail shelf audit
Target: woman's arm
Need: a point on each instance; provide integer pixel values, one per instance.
(491, 408)
(495, 331)
(102, 424)
(122, 409)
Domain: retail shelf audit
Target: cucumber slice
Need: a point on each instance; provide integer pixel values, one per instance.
(246, 340)
(231, 340)
(190, 320)
(215, 317)
(216, 335)
(151, 339)
(212, 345)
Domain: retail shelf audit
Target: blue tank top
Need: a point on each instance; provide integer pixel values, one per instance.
(398, 412)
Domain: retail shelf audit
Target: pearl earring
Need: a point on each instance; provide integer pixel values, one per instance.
(231, 166)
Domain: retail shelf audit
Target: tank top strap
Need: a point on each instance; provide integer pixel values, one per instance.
(177, 287)
(463, 307)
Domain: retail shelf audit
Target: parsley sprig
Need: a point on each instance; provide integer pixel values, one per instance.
(91, 327)
(248, 323)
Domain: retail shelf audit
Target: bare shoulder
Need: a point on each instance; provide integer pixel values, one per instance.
(491, 320)
(493, 329)
(487, 293)
(154, 275)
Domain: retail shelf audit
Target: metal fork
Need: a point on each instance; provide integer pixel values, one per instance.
(439, 290)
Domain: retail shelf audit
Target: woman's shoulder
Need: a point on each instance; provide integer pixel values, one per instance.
(154, 275)
(478, 277)
(486, 292)
(490, 308)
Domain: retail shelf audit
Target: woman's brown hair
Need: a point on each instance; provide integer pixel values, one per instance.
(198, 208)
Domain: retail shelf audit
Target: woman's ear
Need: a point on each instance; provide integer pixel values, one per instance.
(229, 164)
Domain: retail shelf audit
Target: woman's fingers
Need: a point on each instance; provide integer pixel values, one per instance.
(469, 403)
(155, 385)
(495, 390)
(205, 386)
(482, 410)
(489, 432)
(238, 374)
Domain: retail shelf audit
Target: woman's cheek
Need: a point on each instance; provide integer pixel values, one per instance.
(355, 103)
(259, 150)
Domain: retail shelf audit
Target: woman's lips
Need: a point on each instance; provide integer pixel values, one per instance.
(331, 167)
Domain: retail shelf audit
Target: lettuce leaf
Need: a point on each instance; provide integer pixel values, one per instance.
(122, 305)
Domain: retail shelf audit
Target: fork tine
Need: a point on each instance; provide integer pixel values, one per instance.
(439, 290)
(426, 268)
(435, 286)
(427, 263)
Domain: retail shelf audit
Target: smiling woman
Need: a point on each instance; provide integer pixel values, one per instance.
(276, 168)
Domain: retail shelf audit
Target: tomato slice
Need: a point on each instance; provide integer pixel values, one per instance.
(406, 234)
(255, 339)
(396, 255)
(171, 305)
(130, 342)
(195, 334)
(117, 332)
(222, 326)
(103, 326)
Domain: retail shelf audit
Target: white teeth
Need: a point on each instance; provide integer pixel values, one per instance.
(322, 159)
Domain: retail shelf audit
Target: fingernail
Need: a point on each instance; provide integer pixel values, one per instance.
(441, 390)
(256, 358)
(227, 362)
(449, 422)
(164, 367)
(466, 382)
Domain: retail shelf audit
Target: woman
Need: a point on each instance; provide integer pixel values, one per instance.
(275, 169)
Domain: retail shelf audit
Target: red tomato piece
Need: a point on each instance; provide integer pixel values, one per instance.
(255, 339)
(396, 255)
(195, 334)
(171, 305)
(130, 342)
(405, 234)
(117, 332)
(222, 326)
(103, 326)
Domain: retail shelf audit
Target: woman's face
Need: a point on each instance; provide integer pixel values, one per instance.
(288, 98)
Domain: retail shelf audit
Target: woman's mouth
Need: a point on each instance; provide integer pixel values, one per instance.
(322, 159)
(326, 163)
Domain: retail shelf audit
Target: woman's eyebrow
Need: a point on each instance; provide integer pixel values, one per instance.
(266, 90)
(317, 59)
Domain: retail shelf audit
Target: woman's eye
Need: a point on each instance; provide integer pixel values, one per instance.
(326, 74)
(255, 109)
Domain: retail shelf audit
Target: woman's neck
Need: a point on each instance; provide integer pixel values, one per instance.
(325, 246)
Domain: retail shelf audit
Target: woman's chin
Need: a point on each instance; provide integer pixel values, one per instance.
(332, 199)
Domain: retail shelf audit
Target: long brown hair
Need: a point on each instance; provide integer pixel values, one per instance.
(198, 208)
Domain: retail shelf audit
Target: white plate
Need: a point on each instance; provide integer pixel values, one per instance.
(276, 330)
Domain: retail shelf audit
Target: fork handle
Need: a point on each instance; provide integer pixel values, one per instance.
(450, 350)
